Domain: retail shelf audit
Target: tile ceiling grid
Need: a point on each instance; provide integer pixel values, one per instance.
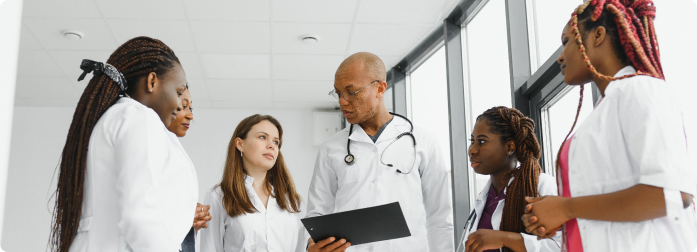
(200, 83)
(233, 52)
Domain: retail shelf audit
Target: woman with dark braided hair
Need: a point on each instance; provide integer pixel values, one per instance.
(624, 175)
(503, 137)
(125, 183)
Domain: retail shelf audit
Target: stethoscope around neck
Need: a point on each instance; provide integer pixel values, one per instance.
(350, 159)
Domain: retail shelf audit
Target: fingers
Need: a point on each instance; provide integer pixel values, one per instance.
(529, 219)
(334, 245)
(475, 247)
(342, 248)
(528, 208)
(324, 242)
(469, 243)
(534, 199)
(532, 228)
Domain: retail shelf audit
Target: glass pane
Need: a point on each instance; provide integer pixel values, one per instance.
(489, 76)
(560, 117)
(429, 100)
(549, 18)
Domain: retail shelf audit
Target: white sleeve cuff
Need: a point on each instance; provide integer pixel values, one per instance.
(673, 204)
(531, 243)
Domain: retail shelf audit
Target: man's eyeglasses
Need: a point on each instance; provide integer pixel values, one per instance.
(348, 96)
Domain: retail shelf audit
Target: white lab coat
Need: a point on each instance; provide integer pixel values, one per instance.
(424, 195)
(269, 229)
(634, 136)
(547, 185)
(140, 186)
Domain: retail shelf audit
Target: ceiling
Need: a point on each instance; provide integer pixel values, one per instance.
(236, 53)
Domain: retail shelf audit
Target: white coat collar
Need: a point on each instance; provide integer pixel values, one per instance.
(393, 129)
(622, 72)
(485, 191)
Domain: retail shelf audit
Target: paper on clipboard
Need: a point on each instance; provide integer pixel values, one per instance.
(360, 226)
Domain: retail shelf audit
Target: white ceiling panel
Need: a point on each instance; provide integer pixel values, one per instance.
(401, 12)
(139, 9)
(191, 65)
(48, 32)
(327, 11)
(27, 40)
(232, 66)
(387, 40)
(46, 88)
(233, 51)
(228, 10)
(305, 105)
(198, 104)
(333, 38)
(174, 33)
(240, 90)
(69, 61)
(199, 90)
(232, 37)
(390, 61)
(37, 63)
(68, 9)
(20, 102)
(305, 67)
(242, 104)
(306, 91)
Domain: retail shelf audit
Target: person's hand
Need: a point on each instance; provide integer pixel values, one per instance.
(202, 216)
(328, 245)
(484, 239)
(544, 216)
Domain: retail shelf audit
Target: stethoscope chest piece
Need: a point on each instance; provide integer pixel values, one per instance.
(349, 159)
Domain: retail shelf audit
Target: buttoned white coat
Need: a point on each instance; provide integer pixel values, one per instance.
(140, 187)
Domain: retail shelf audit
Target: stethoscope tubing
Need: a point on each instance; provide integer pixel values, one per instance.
(350, 159)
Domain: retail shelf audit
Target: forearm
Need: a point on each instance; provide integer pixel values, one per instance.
(513, 241)
(637, 203)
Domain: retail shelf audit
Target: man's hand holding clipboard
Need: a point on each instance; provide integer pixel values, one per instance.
(356, 227)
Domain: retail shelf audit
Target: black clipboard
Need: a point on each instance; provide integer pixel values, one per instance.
(360, 226)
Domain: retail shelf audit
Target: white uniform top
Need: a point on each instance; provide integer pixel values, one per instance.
(269, 229)
(546, 185)
(140, 186)
(634, 136)
(423, 195)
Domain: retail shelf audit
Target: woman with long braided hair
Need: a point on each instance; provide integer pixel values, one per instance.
(125, 183)
(624, 175)
(503, 137)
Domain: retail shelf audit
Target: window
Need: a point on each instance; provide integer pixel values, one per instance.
(546, 20)
(429, 100)
(557, 119)
(487, 75)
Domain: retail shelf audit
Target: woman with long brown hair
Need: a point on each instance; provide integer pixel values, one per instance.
(625, 174)
(125, 183)
(255, 207)
(501, 139)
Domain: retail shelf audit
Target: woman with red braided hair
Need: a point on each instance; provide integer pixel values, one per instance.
(124, 182)
(624, 175)
(503, 137)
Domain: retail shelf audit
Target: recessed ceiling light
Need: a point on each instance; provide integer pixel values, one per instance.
(72, 34)
(309, 39)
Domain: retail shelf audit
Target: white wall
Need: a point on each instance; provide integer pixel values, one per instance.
(10, 21)
(40, 132)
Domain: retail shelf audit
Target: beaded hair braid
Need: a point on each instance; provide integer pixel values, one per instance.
(637, 36)
(511, 124)
(135, 59)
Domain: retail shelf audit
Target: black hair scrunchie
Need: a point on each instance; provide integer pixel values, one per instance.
(98, 68)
